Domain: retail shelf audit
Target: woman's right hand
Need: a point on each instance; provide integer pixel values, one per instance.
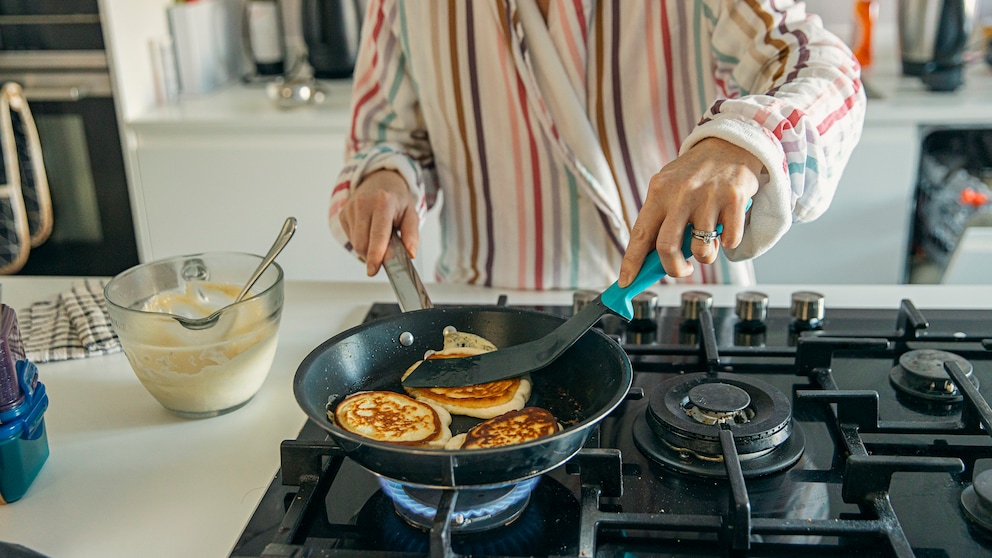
(381, 203)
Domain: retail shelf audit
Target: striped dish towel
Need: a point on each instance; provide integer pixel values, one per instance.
(73, 324)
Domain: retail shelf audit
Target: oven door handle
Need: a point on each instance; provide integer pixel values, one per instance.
(71, 93)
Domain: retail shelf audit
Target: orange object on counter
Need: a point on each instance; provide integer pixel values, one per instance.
(865, 15)
(972, 197)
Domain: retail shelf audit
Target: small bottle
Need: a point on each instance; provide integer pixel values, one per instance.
(265, 37)
(865, 15)
(11, 350)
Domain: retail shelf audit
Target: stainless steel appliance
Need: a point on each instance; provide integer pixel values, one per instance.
(265, 37)
(749, 431)
(933, 35)
(331, 29)
(55, 50)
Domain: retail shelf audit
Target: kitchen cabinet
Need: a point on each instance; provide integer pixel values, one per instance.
(212, 185)
(222, 172)
(221, 191)
(864, 236)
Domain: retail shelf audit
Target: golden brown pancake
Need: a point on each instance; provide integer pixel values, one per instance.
(514, 427)
(481, 401)
(388, 416)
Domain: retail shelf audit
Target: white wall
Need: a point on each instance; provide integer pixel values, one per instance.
(128, 28)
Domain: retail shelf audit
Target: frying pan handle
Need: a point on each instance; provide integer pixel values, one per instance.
(409, 289)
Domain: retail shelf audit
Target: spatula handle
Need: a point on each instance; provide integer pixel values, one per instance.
(619, 299)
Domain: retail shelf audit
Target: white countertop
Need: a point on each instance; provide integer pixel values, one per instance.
(126, 478)
(247, 106)
(893, 99)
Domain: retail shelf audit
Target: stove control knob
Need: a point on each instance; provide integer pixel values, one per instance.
(807, 307)
(581, 298)
(693, 303)
(645, 306)
(752, 306)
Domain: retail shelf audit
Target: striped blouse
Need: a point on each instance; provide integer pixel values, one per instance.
(462, 99)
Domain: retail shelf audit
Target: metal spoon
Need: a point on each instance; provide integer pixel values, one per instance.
(288, 228)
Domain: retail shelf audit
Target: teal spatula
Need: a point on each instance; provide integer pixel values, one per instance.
(534, 355)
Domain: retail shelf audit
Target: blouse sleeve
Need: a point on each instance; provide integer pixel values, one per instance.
(794, 98)
(387, 129)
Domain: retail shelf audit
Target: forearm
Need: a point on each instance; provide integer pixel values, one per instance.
(376, 159)
(387, 129)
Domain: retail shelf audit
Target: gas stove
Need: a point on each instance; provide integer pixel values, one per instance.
(749, 431)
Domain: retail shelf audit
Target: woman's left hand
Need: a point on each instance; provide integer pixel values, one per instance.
(709, 184)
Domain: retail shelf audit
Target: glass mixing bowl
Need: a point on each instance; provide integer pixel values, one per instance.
(198, 373)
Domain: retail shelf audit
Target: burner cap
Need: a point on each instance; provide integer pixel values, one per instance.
(717, 402)
(976, 500)
(920, 373)
(681, 427)
(768, 412)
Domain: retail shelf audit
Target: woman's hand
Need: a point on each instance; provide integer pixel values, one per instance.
(381, 203)
(708, 185)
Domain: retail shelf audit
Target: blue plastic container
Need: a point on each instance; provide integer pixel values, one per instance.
(23, 440)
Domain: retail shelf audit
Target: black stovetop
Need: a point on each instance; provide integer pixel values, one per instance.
(868, 470)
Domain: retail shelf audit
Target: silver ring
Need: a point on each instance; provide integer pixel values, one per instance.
(705, 236)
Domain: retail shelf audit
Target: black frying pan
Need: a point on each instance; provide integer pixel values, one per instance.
(580, 388)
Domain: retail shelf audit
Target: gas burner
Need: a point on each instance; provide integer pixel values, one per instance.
(477, 509)
(976, 500)
(681, 428)
(545, 528)
(920, 374)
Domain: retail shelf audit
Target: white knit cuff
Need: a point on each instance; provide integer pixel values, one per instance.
(770, 216)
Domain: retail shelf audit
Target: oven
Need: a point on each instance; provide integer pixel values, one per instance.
(952, 221)
(749, 431)
(55, 50)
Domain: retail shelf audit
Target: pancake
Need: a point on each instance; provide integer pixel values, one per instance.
(388, 416)
(483, 401)
(529, 423)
